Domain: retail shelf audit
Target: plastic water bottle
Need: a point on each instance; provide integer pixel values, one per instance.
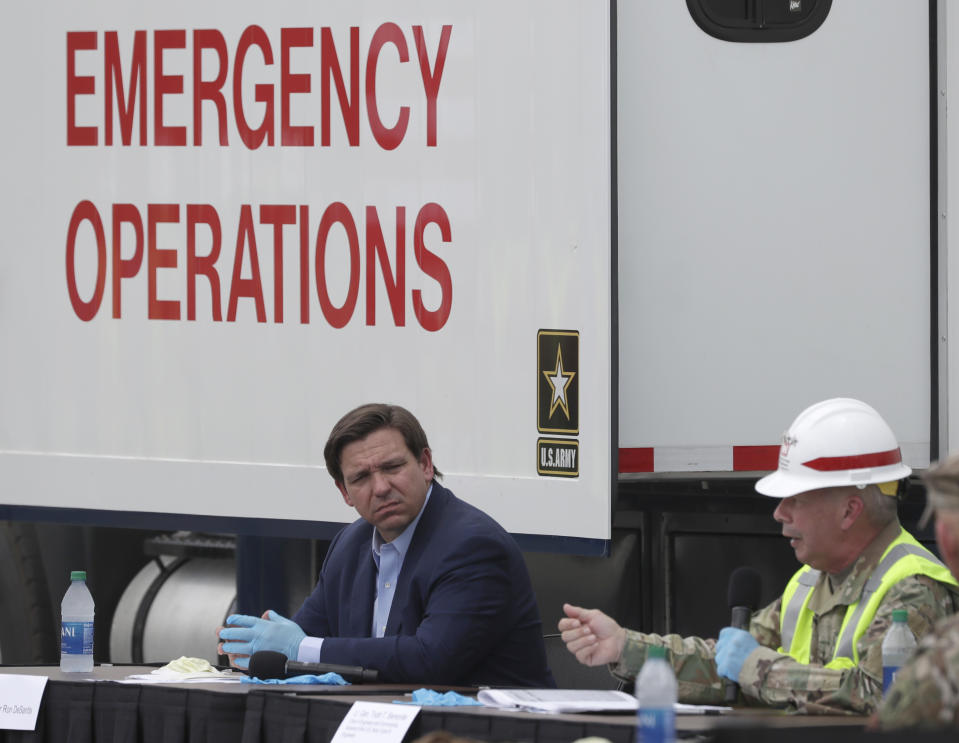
(898, 645)
(76, 626)
(656, 693)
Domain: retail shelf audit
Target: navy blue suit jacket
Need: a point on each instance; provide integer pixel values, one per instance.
(463, 612)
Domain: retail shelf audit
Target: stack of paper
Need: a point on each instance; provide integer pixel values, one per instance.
(559, 700)
(578, 700)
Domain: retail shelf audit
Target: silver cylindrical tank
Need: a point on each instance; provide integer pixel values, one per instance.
(174, 611)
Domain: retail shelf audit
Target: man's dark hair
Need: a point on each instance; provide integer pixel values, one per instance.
(364, 420)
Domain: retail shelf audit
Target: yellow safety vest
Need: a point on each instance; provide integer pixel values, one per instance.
(904, 557)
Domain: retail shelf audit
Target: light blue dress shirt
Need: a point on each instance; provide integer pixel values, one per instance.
(389, 557)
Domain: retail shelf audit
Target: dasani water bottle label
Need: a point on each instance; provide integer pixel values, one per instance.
(76, 638)
(888, 676)
(656, 726)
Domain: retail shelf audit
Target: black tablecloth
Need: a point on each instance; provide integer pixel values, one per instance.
(272, 718)
(105, 711)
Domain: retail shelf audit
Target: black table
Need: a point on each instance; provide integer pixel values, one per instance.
(88, 708)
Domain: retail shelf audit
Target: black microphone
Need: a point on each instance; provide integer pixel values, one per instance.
(268, 664)
(745, 589)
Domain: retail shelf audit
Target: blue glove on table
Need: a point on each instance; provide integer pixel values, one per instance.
(333, 679)
(432, 698)
(733, 648)
(252, 634)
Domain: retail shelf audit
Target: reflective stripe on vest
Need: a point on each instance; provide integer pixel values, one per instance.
(790, 613)
(904, 557)
(845, 647)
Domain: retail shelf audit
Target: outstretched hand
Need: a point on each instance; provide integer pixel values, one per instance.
(592, 636)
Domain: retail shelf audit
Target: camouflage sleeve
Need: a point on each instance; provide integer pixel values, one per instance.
(926, 691)
(778, 680)
(764, 625)
(692, 659)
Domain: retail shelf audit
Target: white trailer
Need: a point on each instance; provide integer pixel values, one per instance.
(224, 226)
(777, 244)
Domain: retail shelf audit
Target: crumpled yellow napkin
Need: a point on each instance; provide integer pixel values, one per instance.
(183, 664)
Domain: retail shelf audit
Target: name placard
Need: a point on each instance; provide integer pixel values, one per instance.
(20, 701)
(374, 722)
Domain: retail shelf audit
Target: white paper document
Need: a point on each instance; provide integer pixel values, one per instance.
(375, 722)
(171, 677)
(20, 697)
(700, 709)
(578, 700)
(559, 700)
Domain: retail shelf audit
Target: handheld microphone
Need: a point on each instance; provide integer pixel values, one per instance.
(745, 589)
(268, 664)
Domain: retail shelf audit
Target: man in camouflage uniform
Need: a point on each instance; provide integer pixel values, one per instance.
(838, 470)
(926, 690)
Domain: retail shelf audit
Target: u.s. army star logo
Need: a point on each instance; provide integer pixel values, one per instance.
(557, 382)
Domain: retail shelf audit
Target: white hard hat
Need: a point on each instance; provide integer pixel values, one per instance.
(835, 443)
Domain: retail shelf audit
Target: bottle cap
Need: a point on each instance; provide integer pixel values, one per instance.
(900, 615)
(656, 651)
(78, 575)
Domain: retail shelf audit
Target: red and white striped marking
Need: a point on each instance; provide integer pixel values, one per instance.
(698, 459)
(647, 459)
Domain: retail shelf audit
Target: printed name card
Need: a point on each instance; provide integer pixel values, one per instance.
(373, 722)
(20, 701)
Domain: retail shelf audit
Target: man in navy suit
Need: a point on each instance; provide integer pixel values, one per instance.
(423, 588)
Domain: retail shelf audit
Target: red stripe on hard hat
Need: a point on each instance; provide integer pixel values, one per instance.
(856, 462)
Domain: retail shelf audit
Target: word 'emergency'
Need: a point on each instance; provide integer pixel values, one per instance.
(229, 82)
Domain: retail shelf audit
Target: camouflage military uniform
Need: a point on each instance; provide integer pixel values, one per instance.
(926, 692)
(772, 678)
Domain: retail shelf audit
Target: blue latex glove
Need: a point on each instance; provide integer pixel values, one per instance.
(733, 648)
(431, 698)
(333, 679)
(251, 634)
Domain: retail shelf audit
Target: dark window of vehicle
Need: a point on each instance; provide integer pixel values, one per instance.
(759, 20)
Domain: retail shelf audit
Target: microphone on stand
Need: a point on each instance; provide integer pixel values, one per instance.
(268, 664)
(745, 589)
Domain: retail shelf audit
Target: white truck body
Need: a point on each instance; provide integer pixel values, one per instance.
(774, 232)
(228, 226)
(730, 232)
